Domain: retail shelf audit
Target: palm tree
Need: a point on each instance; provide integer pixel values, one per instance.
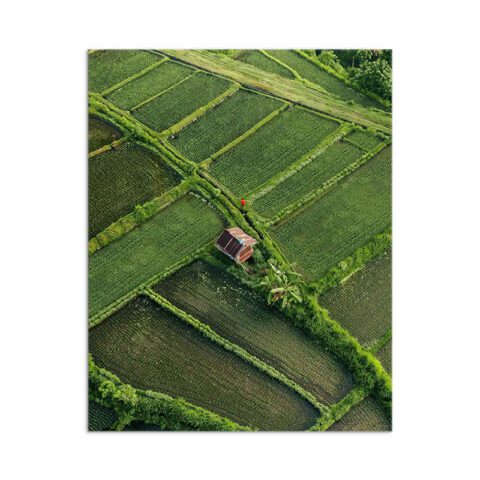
(281, 286)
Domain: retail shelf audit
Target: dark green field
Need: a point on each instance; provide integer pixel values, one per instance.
(151, 349)
(101, 133)
(242, 316)
(122, 178)
(100, 417)
(363, 304)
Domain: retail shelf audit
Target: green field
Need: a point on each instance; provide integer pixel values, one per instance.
(271, 149)
(180, 101)
(315, 74)
(343, 219)
(109, 67)
(385, 357)
(363, 304)
(100, 417)
(261, 61)
(367, 416)
(243, 317)
(166, 238)
(101, 133)
(224, 123)
(151, 349)
(363, 139)
(308, 179)
(122, 178)
(142, 427)
(152, 83)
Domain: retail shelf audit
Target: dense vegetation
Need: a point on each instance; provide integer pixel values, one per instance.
(151, 349)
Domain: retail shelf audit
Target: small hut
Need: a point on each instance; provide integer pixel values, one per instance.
(235, 243)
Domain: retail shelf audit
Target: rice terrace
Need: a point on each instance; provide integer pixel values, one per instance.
(240, 240)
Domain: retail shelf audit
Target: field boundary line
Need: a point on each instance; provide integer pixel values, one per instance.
(305, 201)
(108, 147)
(291, 90)
(199, 112)
(375, 346)
(139, 74)
(104, 313)
(207, 162)
(236, 349)
(302, 162)
(165, 90)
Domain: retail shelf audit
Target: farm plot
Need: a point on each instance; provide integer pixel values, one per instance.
(122, 178)
(308, 179)
(101, 133)
(385, 357)
(152, 83)
(315, 74)
(166, 238)
(343, 219)
(180, 101)
(109, 67)
(243, 317)
(151, 349)
(100, 417)
(259, 60)
(271, 149)
(224, 123)
(363, 304)
(367, 416)
(363, 139)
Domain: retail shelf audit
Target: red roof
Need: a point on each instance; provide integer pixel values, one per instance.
(236, 244)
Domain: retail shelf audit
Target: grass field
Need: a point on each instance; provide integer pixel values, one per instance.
(385, 357)
(343, 219)
(109, 67)
(100, 417)
(315, 74)
(271, 149)
(224, 123)
(166, 238)
(122, 178)
(363, 139)
(261, 61)
(152, 83)
(238, 314)
(367, 416)
(101, 133)
(363, 304)
(151, 349)
(180, 101)
(309, 178)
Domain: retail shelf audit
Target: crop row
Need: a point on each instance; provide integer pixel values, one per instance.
(363, 303)
(363, 139)
(308, 179)
(167, 237)
(176, 103)
(271, 149)
(259, 60)
(151, 349)
(121, 178)
(147, 86)
(106, 68)
(101, 133)
(223, 124)
(242, 316)
(100, 417)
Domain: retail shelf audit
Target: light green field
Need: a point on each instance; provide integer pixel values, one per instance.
(261, 61)
(363, 139)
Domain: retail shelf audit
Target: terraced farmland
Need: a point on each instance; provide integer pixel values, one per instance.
(271, 149)
(233, 117)
(238, 314)
(363, 304)
(101, 133)
(122, 178)
(108, 67)
(343, 219)
(147, 86)
(180, 101)
(308, 179)
(152, 350)
(169, 236)
(363, 139)
(367, 416)
(261, 61)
